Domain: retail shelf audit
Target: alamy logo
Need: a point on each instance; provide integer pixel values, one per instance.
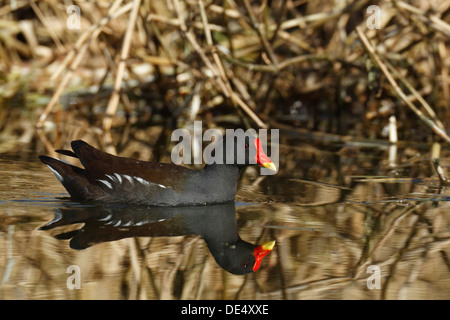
(73, 21)
(239, 147)
(373, 282)
(374, 20)
(74, 280)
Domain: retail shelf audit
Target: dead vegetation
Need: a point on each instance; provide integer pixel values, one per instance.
(334, 67)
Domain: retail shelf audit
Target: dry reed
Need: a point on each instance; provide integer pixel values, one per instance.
(261, 64)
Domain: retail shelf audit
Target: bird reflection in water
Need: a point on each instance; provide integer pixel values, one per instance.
(216, 224)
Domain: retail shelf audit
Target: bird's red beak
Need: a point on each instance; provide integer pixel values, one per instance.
(262, 251)
(261, 157)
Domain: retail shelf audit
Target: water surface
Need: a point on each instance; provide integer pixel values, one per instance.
(346, 227)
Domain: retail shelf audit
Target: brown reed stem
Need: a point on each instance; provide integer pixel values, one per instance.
(429, 122)
(115, 96)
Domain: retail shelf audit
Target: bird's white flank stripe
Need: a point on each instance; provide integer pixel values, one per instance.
(105, 218)
(118, 177)
(106, 183)
(128, 178)
(145, 182)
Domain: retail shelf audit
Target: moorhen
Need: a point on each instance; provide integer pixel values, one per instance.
(216, 224)
(110, 178)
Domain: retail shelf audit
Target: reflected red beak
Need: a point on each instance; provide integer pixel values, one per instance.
(260, 252)
(261, 157)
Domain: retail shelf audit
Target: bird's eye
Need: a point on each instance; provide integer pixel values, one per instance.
(244, 265)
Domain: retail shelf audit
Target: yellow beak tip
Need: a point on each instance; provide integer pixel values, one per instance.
(270, 165)
(269, 245)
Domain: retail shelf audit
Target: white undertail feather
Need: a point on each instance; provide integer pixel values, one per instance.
(56, 173)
